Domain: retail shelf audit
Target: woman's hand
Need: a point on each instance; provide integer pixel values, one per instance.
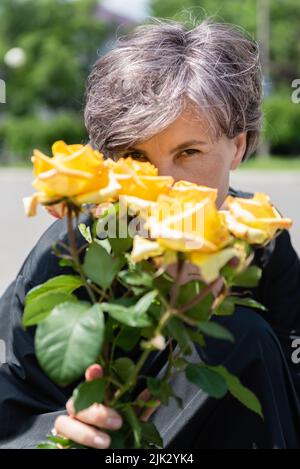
(86, 427)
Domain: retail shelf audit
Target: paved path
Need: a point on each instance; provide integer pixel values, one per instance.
(19, 234)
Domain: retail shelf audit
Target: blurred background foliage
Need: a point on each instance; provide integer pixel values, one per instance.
(44, 96)
(60, 40)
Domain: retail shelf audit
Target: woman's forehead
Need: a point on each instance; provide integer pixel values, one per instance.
(188, 128)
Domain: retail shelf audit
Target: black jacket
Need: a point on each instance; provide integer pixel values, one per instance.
(30, 402)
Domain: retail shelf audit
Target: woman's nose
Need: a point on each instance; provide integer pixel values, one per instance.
(165, 169)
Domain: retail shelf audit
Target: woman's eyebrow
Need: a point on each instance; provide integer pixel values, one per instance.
(178, 147)
(186, 144)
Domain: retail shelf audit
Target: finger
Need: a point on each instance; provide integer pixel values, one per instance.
(97, 415)
(81, 433)
(144, 395)
(93, 372)
(70, 407)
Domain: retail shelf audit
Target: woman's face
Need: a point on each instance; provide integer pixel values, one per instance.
(185, 150)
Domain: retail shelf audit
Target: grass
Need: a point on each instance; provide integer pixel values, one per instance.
(272, 163)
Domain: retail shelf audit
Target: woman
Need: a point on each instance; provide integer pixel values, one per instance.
(188, 101)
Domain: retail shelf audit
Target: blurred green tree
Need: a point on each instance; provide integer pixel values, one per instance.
(60, 40)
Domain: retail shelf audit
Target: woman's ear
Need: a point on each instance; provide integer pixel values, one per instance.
(240, 144)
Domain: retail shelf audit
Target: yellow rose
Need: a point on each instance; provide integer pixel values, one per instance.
(75, 172)
(210, 264)
(179, 194)
(185, 189)
(139, 179)
(188, 222)
(144, 248)
(255, 220)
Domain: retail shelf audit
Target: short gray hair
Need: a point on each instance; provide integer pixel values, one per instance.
(152, 73)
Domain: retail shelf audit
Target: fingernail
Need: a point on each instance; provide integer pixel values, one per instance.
(101, 441)
(114, 422)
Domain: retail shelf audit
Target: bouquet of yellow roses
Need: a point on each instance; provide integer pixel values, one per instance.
(145, 233)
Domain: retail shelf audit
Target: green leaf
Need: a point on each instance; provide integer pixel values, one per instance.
(121, 245)
(145, 302)
(136, 278)
(248, 278)
(177, 330)
(156, 310)
(126, 315)
(41, 306)
(150, 435)
(42, 299)
(100, 266)
(138, 291)
(85, 231)
(163, 284)
(237, 300)
(160, 389)
(124, 368)
(207, 379)
(62, 283)
(125, 301)
(110, 326)
(147, 332)
(60, 440)
(226, 308)
(215, 330)
(201, 310)
(127, 338)
(118, 439)
(133, 316)
(44, 445)
(180, 363)
(66, 263)
(69, 340)
(196, 336)
(104, 243)
(153, 384)
(135, 425)
(88, 393)
(239, 391)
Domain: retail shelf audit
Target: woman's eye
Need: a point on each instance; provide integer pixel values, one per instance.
(136, 156)
(189, 152)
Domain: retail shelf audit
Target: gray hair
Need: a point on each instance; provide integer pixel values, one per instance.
(154, 72)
